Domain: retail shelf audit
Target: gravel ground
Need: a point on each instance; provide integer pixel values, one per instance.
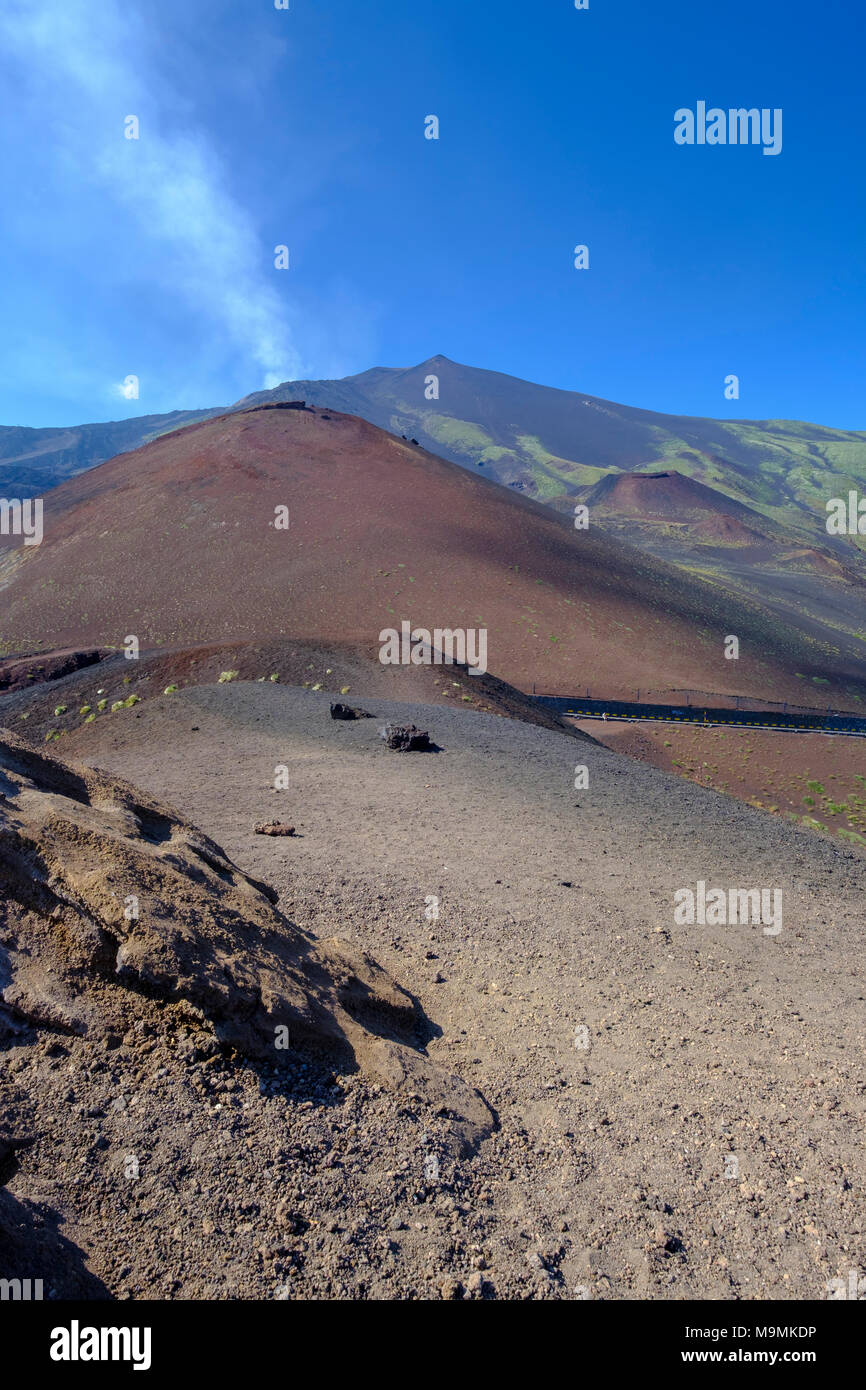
(680, 1107)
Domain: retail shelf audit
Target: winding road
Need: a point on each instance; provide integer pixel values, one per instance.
(697, 714)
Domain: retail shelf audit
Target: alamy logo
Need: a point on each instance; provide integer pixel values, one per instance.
(77, 1343)
(22, 518)
(736, 126)
(847, 520)
(717, 908)
(421, 647)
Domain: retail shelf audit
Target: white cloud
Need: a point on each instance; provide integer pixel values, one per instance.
(87, 66)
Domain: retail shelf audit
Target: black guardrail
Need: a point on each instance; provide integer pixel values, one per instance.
(700, 714)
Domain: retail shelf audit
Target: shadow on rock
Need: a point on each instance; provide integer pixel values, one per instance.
(33, 1249)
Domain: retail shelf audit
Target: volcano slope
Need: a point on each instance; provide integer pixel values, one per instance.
(773, 476)
(818, 585)
(178, 543)
(680, 1106)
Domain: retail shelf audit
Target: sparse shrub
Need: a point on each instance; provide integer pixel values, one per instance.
(61, 709)
(225, 676)
(275, 676)
(103, 704)
(85, 709)
(169, 690)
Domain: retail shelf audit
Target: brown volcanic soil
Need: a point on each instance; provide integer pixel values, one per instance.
(815, 779)
(728, 530)
(606, 1176)
(669, 496)
(176, 544)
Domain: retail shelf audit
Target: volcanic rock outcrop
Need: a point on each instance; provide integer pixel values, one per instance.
(111, 904)
(341, 711)
(406, 738)
(22, 672)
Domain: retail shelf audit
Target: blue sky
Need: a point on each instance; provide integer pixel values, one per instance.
(305, 127)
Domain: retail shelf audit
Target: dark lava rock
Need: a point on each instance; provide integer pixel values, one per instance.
(406, 738)
(339, 711)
